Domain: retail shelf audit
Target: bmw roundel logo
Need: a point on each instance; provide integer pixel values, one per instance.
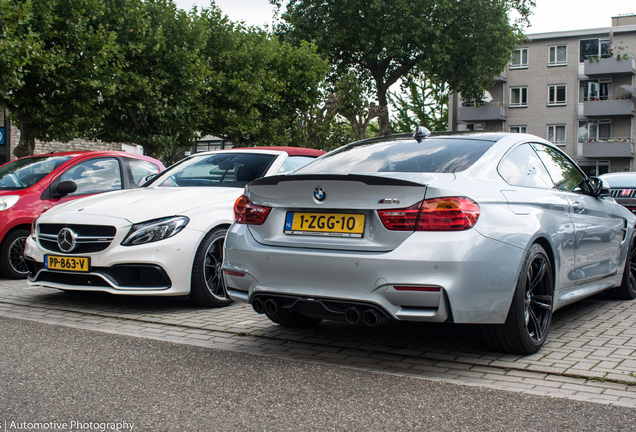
(320, 194)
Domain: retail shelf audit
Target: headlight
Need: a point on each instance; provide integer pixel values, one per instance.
(155, 230)
(8, 201)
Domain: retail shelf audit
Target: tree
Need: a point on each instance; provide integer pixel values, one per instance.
(16, 45)
(58, 55)
(355, 106)
(152, 96)
(422, 102)
(463, 43)
(259, 87)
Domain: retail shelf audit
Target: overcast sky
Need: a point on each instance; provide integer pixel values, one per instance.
(549, 15)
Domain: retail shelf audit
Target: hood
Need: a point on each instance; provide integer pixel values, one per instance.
(138, 205)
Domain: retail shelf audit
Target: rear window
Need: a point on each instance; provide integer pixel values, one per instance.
(433, 155)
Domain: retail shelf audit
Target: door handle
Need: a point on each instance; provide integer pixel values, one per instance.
(577, 207)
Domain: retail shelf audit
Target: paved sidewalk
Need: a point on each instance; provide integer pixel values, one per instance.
(590, 354)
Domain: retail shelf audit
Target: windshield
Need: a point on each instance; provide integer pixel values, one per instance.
(433, 155)
(217, 170)
(24, 173)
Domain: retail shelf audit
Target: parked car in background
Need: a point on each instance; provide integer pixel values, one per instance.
(622, 188)
(31, 185)
(163, 239)
(493, 229)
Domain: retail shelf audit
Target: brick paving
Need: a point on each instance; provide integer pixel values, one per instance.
(590, 353)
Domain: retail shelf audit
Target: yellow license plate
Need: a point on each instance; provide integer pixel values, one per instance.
(325, 224)
(76, 264)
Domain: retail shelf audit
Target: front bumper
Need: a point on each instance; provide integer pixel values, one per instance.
(476, 276)
(162, 268)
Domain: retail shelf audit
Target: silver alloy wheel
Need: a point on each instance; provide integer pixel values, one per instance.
(538, 299)
(16, 256)
(212, 269)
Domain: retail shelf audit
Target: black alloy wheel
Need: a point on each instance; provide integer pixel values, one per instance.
(538, 299)
(627, 289)
(526, 327)
(12, 262)
(207, 286)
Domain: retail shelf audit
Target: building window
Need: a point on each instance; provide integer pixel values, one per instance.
(590, 90)
(519, 59)
(518, 129)
(475, 126)
(558, 55)
(518, 96)
(556, 134)
(557, 94)
(594, 168)
(589, 48)
(594, 130)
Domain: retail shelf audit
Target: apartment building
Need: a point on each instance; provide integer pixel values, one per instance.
(573, 88)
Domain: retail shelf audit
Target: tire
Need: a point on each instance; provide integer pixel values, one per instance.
(207, 287)
(526, 327)
(627, 289)
(12, 264)
(294, 319)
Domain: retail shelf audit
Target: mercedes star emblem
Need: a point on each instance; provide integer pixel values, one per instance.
(66, 240)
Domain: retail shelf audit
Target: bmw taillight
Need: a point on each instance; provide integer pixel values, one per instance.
(247, 213)
(437, 214)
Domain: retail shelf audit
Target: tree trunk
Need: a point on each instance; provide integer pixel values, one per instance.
(26, 146)
(383, 118)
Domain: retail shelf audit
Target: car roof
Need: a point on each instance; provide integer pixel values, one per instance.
(292, 151)
(97, 153)
(620, 179)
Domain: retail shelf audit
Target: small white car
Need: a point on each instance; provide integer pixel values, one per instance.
(163, 239)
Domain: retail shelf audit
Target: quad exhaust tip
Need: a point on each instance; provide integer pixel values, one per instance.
(258, 306)
(353, 315)
(271, 307)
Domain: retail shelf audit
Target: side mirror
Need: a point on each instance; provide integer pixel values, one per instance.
(600, 188)
(65, 188)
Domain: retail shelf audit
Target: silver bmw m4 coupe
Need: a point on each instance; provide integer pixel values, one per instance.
(493, 229)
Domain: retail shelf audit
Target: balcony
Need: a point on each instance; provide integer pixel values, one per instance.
(610, 66)
(608, 148)
(482, 112)
(609, 106)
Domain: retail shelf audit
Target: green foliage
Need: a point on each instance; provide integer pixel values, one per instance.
(17, 43)
(52, 89)
(354, 105)
(463, 43)
(259, 87)
(423, 102)
(156, 78)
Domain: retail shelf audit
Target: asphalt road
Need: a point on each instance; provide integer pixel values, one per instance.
(60, 374)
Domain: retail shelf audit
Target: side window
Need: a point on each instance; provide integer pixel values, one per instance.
(140, 169)
(293, 163)
(565, 174)
(94, 176)
(522, 167)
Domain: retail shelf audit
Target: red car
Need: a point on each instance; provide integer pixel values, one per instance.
(31, 185)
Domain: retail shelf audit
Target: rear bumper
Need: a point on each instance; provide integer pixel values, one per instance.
(476, 276)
